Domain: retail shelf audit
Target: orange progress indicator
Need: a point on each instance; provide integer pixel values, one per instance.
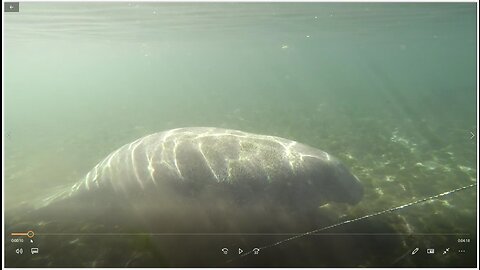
(28, 234)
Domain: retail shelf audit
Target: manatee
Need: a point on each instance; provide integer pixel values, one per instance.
(189, 180)
(209, 174)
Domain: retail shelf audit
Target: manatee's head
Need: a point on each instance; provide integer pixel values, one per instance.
(331, 180)
(343, 185)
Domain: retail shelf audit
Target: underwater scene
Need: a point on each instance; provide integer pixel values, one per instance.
(157, 134)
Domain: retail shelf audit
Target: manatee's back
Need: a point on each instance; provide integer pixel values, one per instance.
(183, 160)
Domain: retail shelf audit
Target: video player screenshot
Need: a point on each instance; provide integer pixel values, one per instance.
(239, 134)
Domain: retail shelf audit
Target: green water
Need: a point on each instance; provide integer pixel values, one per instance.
(389, 89)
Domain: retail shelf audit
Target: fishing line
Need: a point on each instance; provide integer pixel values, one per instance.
(357, 219)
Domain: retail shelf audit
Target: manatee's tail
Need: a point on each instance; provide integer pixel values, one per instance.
(58, 195)
(30, 212)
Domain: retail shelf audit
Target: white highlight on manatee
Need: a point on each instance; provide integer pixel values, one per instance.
(207, 161)
(134, 167)
(288, 154)
(86, 181)
(108, 166)
(109, 159)
(175, 145)
(95, 178)
(163, 153)
(150, 168)
(304, 155)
